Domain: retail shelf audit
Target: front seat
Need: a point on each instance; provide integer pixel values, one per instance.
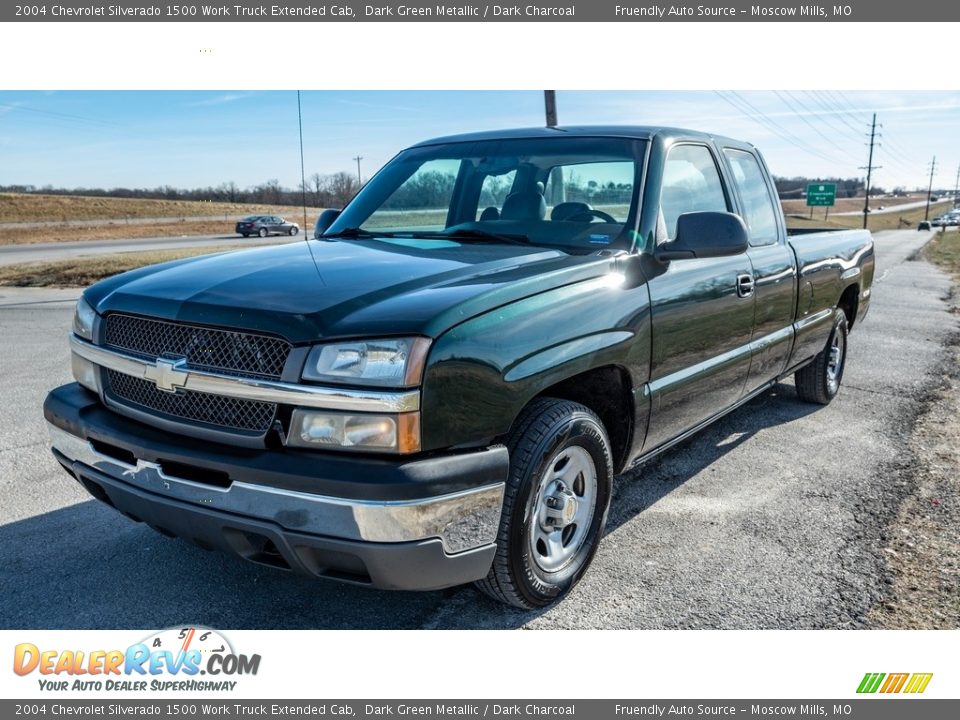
(524, 205)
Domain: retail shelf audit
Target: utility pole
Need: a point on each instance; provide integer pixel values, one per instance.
(550, 106)
(869, 168)
(933, 169)
(956, 188)
(358, 158)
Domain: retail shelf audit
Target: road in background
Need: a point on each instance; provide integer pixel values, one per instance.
(774, 517)
(875, 208)
(51, 252)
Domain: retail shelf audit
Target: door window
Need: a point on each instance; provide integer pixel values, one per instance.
(691, 183)
(758, 210)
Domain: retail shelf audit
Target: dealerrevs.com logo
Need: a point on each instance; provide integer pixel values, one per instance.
(172, 659)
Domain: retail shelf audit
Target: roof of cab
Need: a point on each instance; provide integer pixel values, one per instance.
(636, 132)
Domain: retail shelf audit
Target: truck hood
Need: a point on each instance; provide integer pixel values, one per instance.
(339, 288)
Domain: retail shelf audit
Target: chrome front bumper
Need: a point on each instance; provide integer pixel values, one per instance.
(462, 521)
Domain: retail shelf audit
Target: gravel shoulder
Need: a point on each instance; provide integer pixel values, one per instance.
(923, 539)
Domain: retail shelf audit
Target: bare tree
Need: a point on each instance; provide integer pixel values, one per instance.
(342, 186)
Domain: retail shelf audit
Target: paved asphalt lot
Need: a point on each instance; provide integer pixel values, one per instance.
(772, 518)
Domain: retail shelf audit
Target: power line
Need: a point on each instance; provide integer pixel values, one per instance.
(799, 141)
(895, 155)
(829, 116)
(836, 110)
(842, 102)
(812, 126)
(850, 110)
(765, 122)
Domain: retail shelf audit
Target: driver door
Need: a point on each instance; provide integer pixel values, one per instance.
(702, 310)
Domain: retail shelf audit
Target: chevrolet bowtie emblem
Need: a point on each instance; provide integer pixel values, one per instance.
(168, 374)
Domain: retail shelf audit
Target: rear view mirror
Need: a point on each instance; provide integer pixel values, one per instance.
(325, 221)
(704, 235)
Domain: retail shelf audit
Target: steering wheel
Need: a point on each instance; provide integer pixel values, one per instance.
(589, 215)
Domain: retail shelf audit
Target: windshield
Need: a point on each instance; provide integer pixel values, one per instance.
(574, 193)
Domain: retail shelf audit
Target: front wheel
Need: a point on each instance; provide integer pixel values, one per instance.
(294, 230)
(262, 233)
(555, 504)
(819, 382)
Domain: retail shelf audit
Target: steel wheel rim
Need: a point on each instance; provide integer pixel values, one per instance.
(566, 499)
(835, 361)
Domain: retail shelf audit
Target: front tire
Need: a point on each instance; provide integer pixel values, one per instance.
(819, 382)
(293, 231)
(263, 232)
(555, 504)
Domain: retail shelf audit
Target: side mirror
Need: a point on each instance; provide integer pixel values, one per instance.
(325, 221)
(704, 235)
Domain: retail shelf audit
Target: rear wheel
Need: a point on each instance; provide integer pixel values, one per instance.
(246, 235)
(263, 232)
(555, 504)
(819, 382)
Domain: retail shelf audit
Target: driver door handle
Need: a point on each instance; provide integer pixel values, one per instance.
(745, 285)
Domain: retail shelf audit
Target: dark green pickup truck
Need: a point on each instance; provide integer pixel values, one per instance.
(440, 385)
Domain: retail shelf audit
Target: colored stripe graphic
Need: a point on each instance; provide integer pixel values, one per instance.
(894, 682)
(870, 682)
(918, 682)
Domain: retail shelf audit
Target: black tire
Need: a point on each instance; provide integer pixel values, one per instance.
(246, 235)
(545, 431)
(819, 382)
(294, 230)
(262, 232)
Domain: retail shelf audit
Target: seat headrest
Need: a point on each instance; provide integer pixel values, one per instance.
(564, 210)
(524, 206)
(490, 213)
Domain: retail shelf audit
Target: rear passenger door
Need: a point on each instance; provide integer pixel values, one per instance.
(774, 266)
(702, 314)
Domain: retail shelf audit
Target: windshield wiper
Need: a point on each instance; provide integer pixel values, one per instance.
(355, 233)
(474, 234)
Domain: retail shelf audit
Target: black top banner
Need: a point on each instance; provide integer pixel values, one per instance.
(898, 11)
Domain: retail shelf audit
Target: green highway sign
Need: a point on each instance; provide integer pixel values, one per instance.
(822, 195)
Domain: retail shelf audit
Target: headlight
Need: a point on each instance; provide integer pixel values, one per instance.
(362, 432)
(83, 318)
(392, 362)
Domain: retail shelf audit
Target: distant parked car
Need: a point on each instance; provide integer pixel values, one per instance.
(949, 219)
(923, 225)
(264, 225)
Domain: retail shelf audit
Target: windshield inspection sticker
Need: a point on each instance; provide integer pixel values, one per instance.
(599, 239)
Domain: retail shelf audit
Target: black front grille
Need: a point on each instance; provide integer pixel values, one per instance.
(223, 412)
(227, 352)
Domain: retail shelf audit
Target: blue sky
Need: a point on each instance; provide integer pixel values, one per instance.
(188, 139)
